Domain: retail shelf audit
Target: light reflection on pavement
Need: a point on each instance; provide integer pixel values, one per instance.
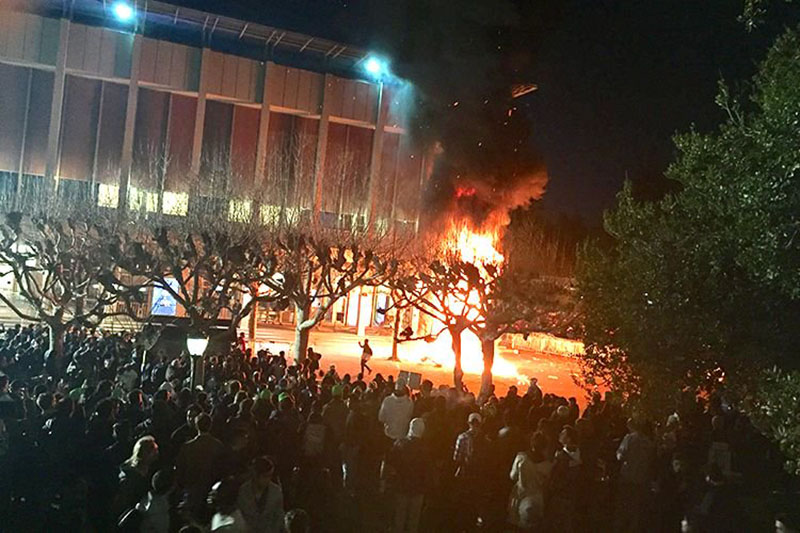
(341, 349)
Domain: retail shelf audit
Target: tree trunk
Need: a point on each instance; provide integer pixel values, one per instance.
(487, 347)
(396, 333)
(56, 333)
(458, 374)
(79, 305)
(301, 334)
(55, 364)
(300, 344)
(251, 328)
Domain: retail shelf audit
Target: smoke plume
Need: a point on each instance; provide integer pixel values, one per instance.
(463, 59)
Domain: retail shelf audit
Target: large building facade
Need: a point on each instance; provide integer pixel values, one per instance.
(153, 110)
(161, 107)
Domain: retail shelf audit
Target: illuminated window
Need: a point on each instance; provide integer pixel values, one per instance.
(142, 200)
(239, 210)
(270, 214)
(273, 215)
(108, 195)
(175, 203)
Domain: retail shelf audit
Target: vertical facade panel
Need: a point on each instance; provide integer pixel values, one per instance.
(259, 71)
(243, 147)
(307, 134)
(79, 120)
(290, 89)
(108, 45)
(408, 192)
(76, 50)
(181, 120)
(163, 62)
(91, 58)
(5, 24)
(13, 96)
(193, 66)
(356, 176)
(213, 69)
(275, 82)
(148, 60)
(230, 73)
(215, 162)
(372, 103)
(33, 39)
(291, 153)
(38, 123)
(123, 54)
(335, 169)
(304, 91)
(177, 73)
(362, 102)
(279, 155)
(333, 98)
(388, 175)
(51, 32)
(15, 38)
(109, 147)
(348, 99)
(149, 137)
(317, 82)
(243, 77)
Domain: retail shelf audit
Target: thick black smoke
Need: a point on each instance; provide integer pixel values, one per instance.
(463, 58)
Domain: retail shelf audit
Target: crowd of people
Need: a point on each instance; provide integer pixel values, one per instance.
(109, 439)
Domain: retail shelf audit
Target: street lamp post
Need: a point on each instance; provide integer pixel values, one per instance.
(196, 345)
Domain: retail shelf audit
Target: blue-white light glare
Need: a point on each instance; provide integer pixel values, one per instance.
(375, 67)
(122, 11)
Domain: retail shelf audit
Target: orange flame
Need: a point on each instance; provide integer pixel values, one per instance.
(480, 249)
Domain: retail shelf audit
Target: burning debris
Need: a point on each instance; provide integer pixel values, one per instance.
(521, 89)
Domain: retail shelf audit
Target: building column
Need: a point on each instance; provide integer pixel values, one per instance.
(97, 133)
(21, 167)
(423, 172)
(395, 183)
(377, 156)
(126, 158)
(322, 145)
(56, 108)
(263, 131)
(200, 115)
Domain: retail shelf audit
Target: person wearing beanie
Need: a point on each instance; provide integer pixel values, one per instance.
(410, 466)
(334, 414)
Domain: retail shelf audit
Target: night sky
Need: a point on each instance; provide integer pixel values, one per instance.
(616, 78)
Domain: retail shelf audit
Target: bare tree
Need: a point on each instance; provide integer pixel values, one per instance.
(444, 290)
(62, 267)
(316, 267)
(207, 261)
(529, 292)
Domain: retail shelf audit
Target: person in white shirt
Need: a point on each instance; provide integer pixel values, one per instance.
(396, 411)
(227, 517)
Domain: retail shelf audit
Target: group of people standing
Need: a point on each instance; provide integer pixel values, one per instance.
(268, 446)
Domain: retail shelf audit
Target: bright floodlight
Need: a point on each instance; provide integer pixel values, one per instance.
(375, 67)
(123, 11)
(196, 345)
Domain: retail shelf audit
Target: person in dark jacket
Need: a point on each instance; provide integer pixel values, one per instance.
(199, 463)
(411, 464)
(134, 476)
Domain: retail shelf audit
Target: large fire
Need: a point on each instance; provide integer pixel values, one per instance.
(480, 249)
